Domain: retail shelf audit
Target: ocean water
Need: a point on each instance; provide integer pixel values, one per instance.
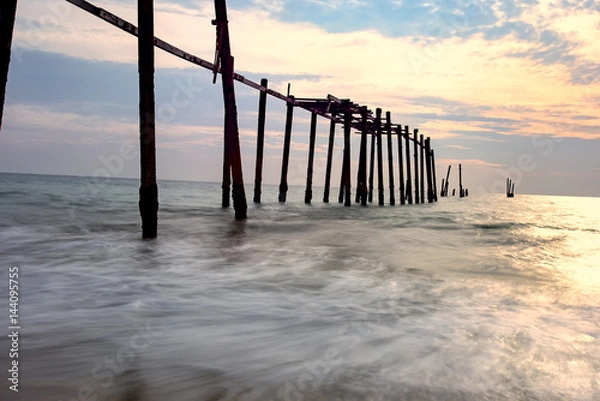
(482, 298)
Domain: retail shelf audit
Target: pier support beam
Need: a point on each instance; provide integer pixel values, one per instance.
(371, 170)
(260, 141)
(409, 196)
(8, 11)
(400, 165)
(283, 184)
(428, 166)
(233, 158)
(461, 192)
(422, 159)
(347, 157)
(416, 155)
(435, 192)
(388, 127)
(379, 158)
(148, 203)
(311, 158)
(361, 187)
(445, 188)
(329, 159)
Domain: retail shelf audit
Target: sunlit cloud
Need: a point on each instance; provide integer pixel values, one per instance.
(470, 163)
(484, 73)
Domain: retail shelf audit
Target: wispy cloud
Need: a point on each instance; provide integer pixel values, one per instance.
(470, 163)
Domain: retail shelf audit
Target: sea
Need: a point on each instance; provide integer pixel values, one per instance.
(479, 298)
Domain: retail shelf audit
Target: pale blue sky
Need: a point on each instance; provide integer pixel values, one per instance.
(494, 83)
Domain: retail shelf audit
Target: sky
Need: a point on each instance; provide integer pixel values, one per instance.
(507, 88)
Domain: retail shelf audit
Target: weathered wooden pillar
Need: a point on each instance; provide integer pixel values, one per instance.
(311, 158)
(443, 184)
(260, 140)
(329, 159)
(435, 193)
(283, 184)
(148, 203)
(8, 11)
(342, 186)
(447, 181)
(409, 196)
(347, 155)
(429, 172)
(388, 128)
(422, 159)
(400, 165)
(233, 158)
(379, 158)
(460, 187)
(361, 187)
(372, 169)
(416, 155)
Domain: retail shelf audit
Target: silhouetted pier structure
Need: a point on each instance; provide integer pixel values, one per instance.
(344, 112)
(510, 188)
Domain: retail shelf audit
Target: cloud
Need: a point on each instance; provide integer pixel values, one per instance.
(456, 146)
(478, 73)
(470, 162)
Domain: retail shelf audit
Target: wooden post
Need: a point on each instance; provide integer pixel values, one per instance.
(428, 166)
(8, 11)
(311, 158)
(347, 155)
(329, 160)
(460, 187)
(422, 159)
(283, 184)
(371, 171)
(388, 127)
(409, 196)
(232, 136)
(446, 184)
(443, 183)
(379, 158)
(342, 182)
(435, 191)
(400, 165)
(260, 140)
(361, 187)
(416, 151)
(148, 203)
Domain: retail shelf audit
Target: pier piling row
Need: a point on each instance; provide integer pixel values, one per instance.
(350, 115)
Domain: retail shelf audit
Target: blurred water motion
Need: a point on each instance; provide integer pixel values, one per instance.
(483, 298)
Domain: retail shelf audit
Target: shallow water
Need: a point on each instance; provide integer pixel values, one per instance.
(482, 298)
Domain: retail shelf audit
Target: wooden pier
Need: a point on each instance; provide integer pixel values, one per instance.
(415, 183)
